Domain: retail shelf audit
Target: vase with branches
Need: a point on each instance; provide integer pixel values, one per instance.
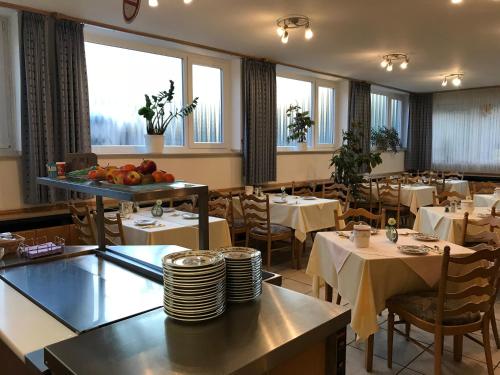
(299, 124)
(158, 116)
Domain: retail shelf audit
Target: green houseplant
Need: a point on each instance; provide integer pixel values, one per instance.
(158, 118)
(385, 139)
(350, 160)
(300, 123)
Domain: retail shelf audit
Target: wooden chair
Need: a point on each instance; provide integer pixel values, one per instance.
(82, 219)
(258, 224)
(453, 176)
(483, 187)
(303, 190)
(364, 195)
(218, 204)
(187, 204)
(484, 228)
(389, 198)
(113, 230)
(339, 192)
(458, 312)
(445, 198)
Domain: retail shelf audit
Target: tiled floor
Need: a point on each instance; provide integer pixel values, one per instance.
(409, 358)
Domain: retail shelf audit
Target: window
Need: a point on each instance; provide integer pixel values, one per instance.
(315, 96)
(118, 80)
(390, 110)
(207, 117)
(466, 131)
(6, 90)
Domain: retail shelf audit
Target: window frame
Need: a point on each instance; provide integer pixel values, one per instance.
(7, 74)
(188, 59)
(316, 83)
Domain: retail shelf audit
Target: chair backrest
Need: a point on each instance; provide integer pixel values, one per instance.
(483, 187)
(218, 204)
(84, 227)
(484, 230)
(364, 193)
(113, 230)
(356, 214)
(389, 195)
(453, 175)
(469, 295)
(304, 189)
(256, 212)
(187, 204)
(337, 191)
(446, 197)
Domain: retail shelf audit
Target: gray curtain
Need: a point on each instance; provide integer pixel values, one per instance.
(259, 121)
(419, 151)
(360, 110)
(55, 109)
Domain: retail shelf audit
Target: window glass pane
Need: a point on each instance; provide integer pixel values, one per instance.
(379, 110)
(118, 80)
(207, 117)
(291, 92)
(326, 115)
(397, 115)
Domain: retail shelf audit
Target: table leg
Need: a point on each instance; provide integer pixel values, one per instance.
(335, 353)
(369, 354)
(458, 343)
(203, 236)
(328, 292)
(101, 236)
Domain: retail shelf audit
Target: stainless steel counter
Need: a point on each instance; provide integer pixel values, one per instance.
(249, 338)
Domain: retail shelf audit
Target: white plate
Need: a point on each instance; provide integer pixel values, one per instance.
(189, 216)
(425, 237)
(307, 198)
(142, 222)
(192, 259)
(414, 249)
(239, 253)
(279, 201)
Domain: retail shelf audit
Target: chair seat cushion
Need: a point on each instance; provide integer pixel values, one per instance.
(275, 229)
(424, 305)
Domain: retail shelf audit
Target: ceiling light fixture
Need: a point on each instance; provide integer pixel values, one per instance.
(153, 3)
(456, 1)
(387, 61)
(188, 1)
(284, 24)
(456, 79)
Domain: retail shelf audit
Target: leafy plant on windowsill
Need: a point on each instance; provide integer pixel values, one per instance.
(385, 139)
(157, 118)
(350, 161)
(300, 123)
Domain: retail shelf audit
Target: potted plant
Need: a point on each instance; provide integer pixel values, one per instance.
(385, 139)
(158, 118)
(350, 160)
(300, 122)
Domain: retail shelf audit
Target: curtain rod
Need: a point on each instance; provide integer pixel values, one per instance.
(62, 16)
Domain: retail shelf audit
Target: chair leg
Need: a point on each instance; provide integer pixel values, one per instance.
(247, 239)
(390, 337)
(407, 331)
(269, 246)
(495, 330)
(458, 344)
(487, 346)
(339, 299)
(438, 352)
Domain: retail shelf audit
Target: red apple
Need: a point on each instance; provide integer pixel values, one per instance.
(110, 172)
(132, 178)
(167, 177)
(147, 167)
(128, 168)
(158, 176)
(118, 177)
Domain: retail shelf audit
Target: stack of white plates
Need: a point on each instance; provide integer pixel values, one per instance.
(194, 285)
(243, 273)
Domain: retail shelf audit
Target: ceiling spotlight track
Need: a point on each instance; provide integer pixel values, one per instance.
(389, 60)
(455, 78)
(154, 3)
(294, 21)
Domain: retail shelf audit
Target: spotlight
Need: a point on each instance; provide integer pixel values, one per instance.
(384, 63)
(280, 31)
(284, 37)
(457, 81)
(445, 82)
(153, 3)
(389, 66)
(309, 33)
(188, 1)
(456, 1)
(404, 64)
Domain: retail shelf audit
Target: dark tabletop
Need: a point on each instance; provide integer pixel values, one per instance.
(248, 338)
(85, 292)
(148, 255)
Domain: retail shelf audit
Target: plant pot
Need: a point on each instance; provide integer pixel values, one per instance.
(301, 146)
(154, 143)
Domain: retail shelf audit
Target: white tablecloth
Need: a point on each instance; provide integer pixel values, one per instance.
(368, 277)
(416, 196)
(486, 200)
(460, 186)
(300, 214)
(447, 226)
(175, 230)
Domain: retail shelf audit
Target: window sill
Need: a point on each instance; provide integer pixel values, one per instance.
(168, 155)
(310, 152)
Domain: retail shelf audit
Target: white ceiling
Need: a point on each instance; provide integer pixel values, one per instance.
(350, 35)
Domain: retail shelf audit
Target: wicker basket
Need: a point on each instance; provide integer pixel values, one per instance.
(11, 246)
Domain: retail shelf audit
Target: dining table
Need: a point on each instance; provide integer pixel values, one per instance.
(413, 196)
(367, 277)
(303, 214)
(448, 226)
(486, 200)
(173, 228)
